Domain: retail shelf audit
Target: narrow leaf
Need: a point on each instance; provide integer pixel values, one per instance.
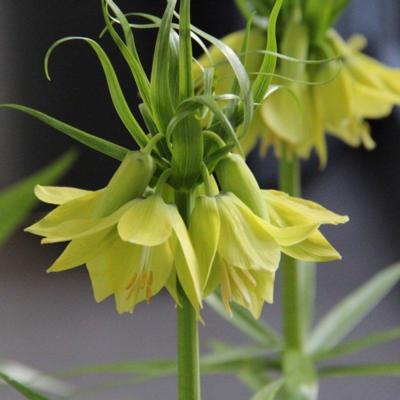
(117, 96)
(23, 389)
(269, 391)
(102, 146)
(349, 312)
(243, 320)
(17, 201)
(355, 346)
(390, 369)
(261, 84)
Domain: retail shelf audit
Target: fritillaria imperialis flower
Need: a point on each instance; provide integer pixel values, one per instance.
(239, 251)
(332, 96)
(132, 242)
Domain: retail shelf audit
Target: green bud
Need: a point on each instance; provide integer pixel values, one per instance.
(129, 181)
(236, 177)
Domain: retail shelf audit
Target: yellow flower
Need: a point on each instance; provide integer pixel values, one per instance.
(133, 243)
(297, 116)
(240, 252)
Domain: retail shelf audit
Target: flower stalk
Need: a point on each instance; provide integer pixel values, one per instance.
(188, 357)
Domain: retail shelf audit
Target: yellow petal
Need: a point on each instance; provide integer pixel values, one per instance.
(204, 232)
(58, 195)
(244, 241)
(147, 222)
(186, 264)
(314, 248)
(296, 211)
(76, 228)
(79, 251)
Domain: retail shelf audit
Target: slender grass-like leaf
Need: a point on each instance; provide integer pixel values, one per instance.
(269, 391)
(160, 89)
(185, 52)
(355, 346)
(23, 389)
(17, 201)
(261, 84)
(349, 312)
(243, 320)
(383, 370)
(226, 361)
(128, 50)
(94, 142)
(117, 96)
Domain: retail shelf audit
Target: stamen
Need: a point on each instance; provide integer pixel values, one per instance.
(148, 287)
(132, 281)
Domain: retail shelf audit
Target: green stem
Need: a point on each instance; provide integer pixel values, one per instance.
(290, 182)
(298, 288)
(187, 330)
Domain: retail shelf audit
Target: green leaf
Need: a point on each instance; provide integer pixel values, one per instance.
(354, 346)
(23, 389)
(102, 146)
(261, 84)
(243, 320)
(128, 50)
(225, 361)
(269, 391)
(350, 311)
(390, 369)
(185, 52)
(160, 86)
(117, 96)
(17, 201)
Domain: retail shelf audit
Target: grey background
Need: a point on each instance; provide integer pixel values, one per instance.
(51, 322)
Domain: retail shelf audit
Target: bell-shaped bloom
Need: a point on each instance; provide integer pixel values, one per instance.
(333, 97)
(239, 252)
(132, 251)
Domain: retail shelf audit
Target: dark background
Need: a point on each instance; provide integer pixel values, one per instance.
(52, 322)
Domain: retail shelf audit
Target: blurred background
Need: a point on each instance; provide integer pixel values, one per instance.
(52, 322)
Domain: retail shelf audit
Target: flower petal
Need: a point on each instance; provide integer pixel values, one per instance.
(59, 195)
(204, 231)
(79, 251)
(314, 248)
(287, 210)
(186, 264)
(147, 222)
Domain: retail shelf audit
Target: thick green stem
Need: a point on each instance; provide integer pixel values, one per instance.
(289, 182)
(298, 287)
(187, 330)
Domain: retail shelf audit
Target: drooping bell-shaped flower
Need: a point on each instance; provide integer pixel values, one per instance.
(239, 243)
(133, 243)
(308, 101)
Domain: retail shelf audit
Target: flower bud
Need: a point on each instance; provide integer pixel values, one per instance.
(236, 177)
(129, 181)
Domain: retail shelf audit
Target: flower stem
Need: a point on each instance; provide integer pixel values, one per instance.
(290, 182)
(298, 288)
(187, 330)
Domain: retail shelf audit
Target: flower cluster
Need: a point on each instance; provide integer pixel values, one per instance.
(312, 98)
(134, 241)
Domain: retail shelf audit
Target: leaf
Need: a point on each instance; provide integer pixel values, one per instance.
(243, 320)
(24, 390)
(364, 343)
(261, 84)
(117, 96)
(17, 201)
(225, 361)
(349, 312)
(160, 85)
(128, 50)
(390, 369)
(269, 391)
(102, 146)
